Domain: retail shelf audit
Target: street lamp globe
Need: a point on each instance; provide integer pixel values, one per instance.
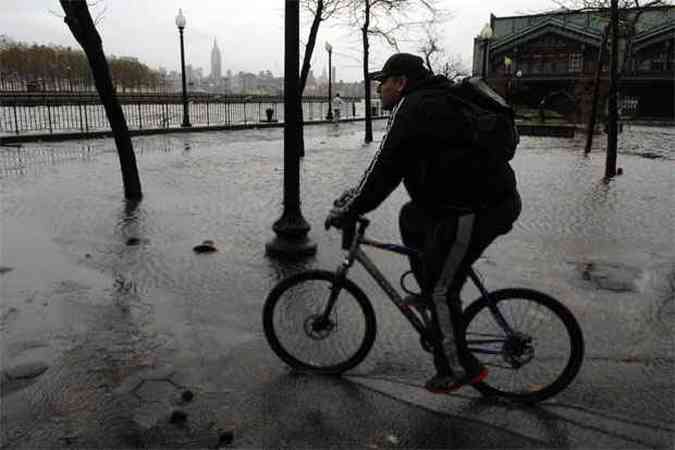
(486, 32)
(485, 35)
(180, 23)
(180, 19)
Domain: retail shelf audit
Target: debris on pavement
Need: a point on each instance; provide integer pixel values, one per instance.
(206, 246)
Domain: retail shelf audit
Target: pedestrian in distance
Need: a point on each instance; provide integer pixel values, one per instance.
(338, 105)
(461, 200)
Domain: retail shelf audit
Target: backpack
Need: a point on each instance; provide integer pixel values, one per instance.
(491, 120)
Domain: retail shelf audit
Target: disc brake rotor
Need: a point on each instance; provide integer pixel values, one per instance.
(318, 327)
(518, 350)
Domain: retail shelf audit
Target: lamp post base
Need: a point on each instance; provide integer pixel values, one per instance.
(282, 247)
(291, 240)
(186, 124)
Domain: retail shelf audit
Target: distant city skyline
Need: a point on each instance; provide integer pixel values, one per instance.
(249, 36)
(199, 73)
(216, 61)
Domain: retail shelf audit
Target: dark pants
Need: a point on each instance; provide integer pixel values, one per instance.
(450, 244)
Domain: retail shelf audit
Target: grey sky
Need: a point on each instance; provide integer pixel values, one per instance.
(249, 32)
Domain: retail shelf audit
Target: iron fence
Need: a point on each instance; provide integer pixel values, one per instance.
(66, 113)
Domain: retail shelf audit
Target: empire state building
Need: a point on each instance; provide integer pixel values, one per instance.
(216, 67)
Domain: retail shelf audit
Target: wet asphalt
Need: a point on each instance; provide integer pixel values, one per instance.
(116, 334)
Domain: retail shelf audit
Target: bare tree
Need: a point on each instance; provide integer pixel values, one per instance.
(385, 19)
(628, 13)
(610, 165)
(435, 56)
(590, 129)
(81, 24)
(367, 5)
(454, 68)
(430, 47)
(321, 10)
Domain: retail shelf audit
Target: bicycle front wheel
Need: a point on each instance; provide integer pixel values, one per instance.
(304, 337)
(540, 359)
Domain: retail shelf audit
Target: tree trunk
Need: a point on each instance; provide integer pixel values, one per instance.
(590, 129)
(610, 166)
(311, 43)
(82, 26)
(364, 31)
(632, 29)
(306, 64)
(628, 56)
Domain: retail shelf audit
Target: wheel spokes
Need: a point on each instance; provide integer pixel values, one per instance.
(528, 361)
(325, 340)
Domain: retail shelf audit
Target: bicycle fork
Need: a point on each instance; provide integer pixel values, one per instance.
(492, 306)
(323, 322)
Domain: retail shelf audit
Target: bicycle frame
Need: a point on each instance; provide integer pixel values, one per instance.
(501, 329)
(355, 253)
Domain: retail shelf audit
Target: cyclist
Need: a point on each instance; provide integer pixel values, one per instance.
(459, 204)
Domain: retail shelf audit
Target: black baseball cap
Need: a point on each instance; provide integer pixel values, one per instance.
(406, 64)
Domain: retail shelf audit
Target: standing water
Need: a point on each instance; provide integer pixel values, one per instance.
(113, 284)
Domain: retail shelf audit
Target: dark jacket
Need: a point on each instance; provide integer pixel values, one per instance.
(426, 146)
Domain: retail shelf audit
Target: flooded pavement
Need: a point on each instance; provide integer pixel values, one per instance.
(109, 317)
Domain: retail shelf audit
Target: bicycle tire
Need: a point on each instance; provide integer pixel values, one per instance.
(535, 392)
(361, 313)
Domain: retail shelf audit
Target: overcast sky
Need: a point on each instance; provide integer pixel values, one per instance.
(249, 32)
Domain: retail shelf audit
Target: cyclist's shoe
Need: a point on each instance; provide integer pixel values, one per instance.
(444, 383)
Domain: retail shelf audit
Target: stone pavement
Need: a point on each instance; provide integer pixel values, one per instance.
(115, 334)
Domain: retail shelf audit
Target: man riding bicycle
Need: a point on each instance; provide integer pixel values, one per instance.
(459, 203)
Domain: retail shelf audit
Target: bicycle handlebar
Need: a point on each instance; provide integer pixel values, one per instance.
(349, 230)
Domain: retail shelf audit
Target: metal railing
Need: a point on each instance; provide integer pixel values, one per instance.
(55, 113)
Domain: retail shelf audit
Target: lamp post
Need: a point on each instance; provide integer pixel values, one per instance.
(485, 35)
(508, 66)
(329, 49)
(180, 23)
(291, 229)
(69, 76)
(519, 75)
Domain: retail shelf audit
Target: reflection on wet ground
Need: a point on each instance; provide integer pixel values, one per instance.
(99, 289)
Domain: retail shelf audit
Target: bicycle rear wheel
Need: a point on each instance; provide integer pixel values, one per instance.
(540, 360)
(296, 332)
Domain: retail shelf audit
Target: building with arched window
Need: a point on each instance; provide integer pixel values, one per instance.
(536, 57)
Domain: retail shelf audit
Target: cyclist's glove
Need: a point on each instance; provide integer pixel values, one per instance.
(338, 217)
(345, 198)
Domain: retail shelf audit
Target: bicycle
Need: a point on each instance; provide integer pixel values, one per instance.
(322, 322)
